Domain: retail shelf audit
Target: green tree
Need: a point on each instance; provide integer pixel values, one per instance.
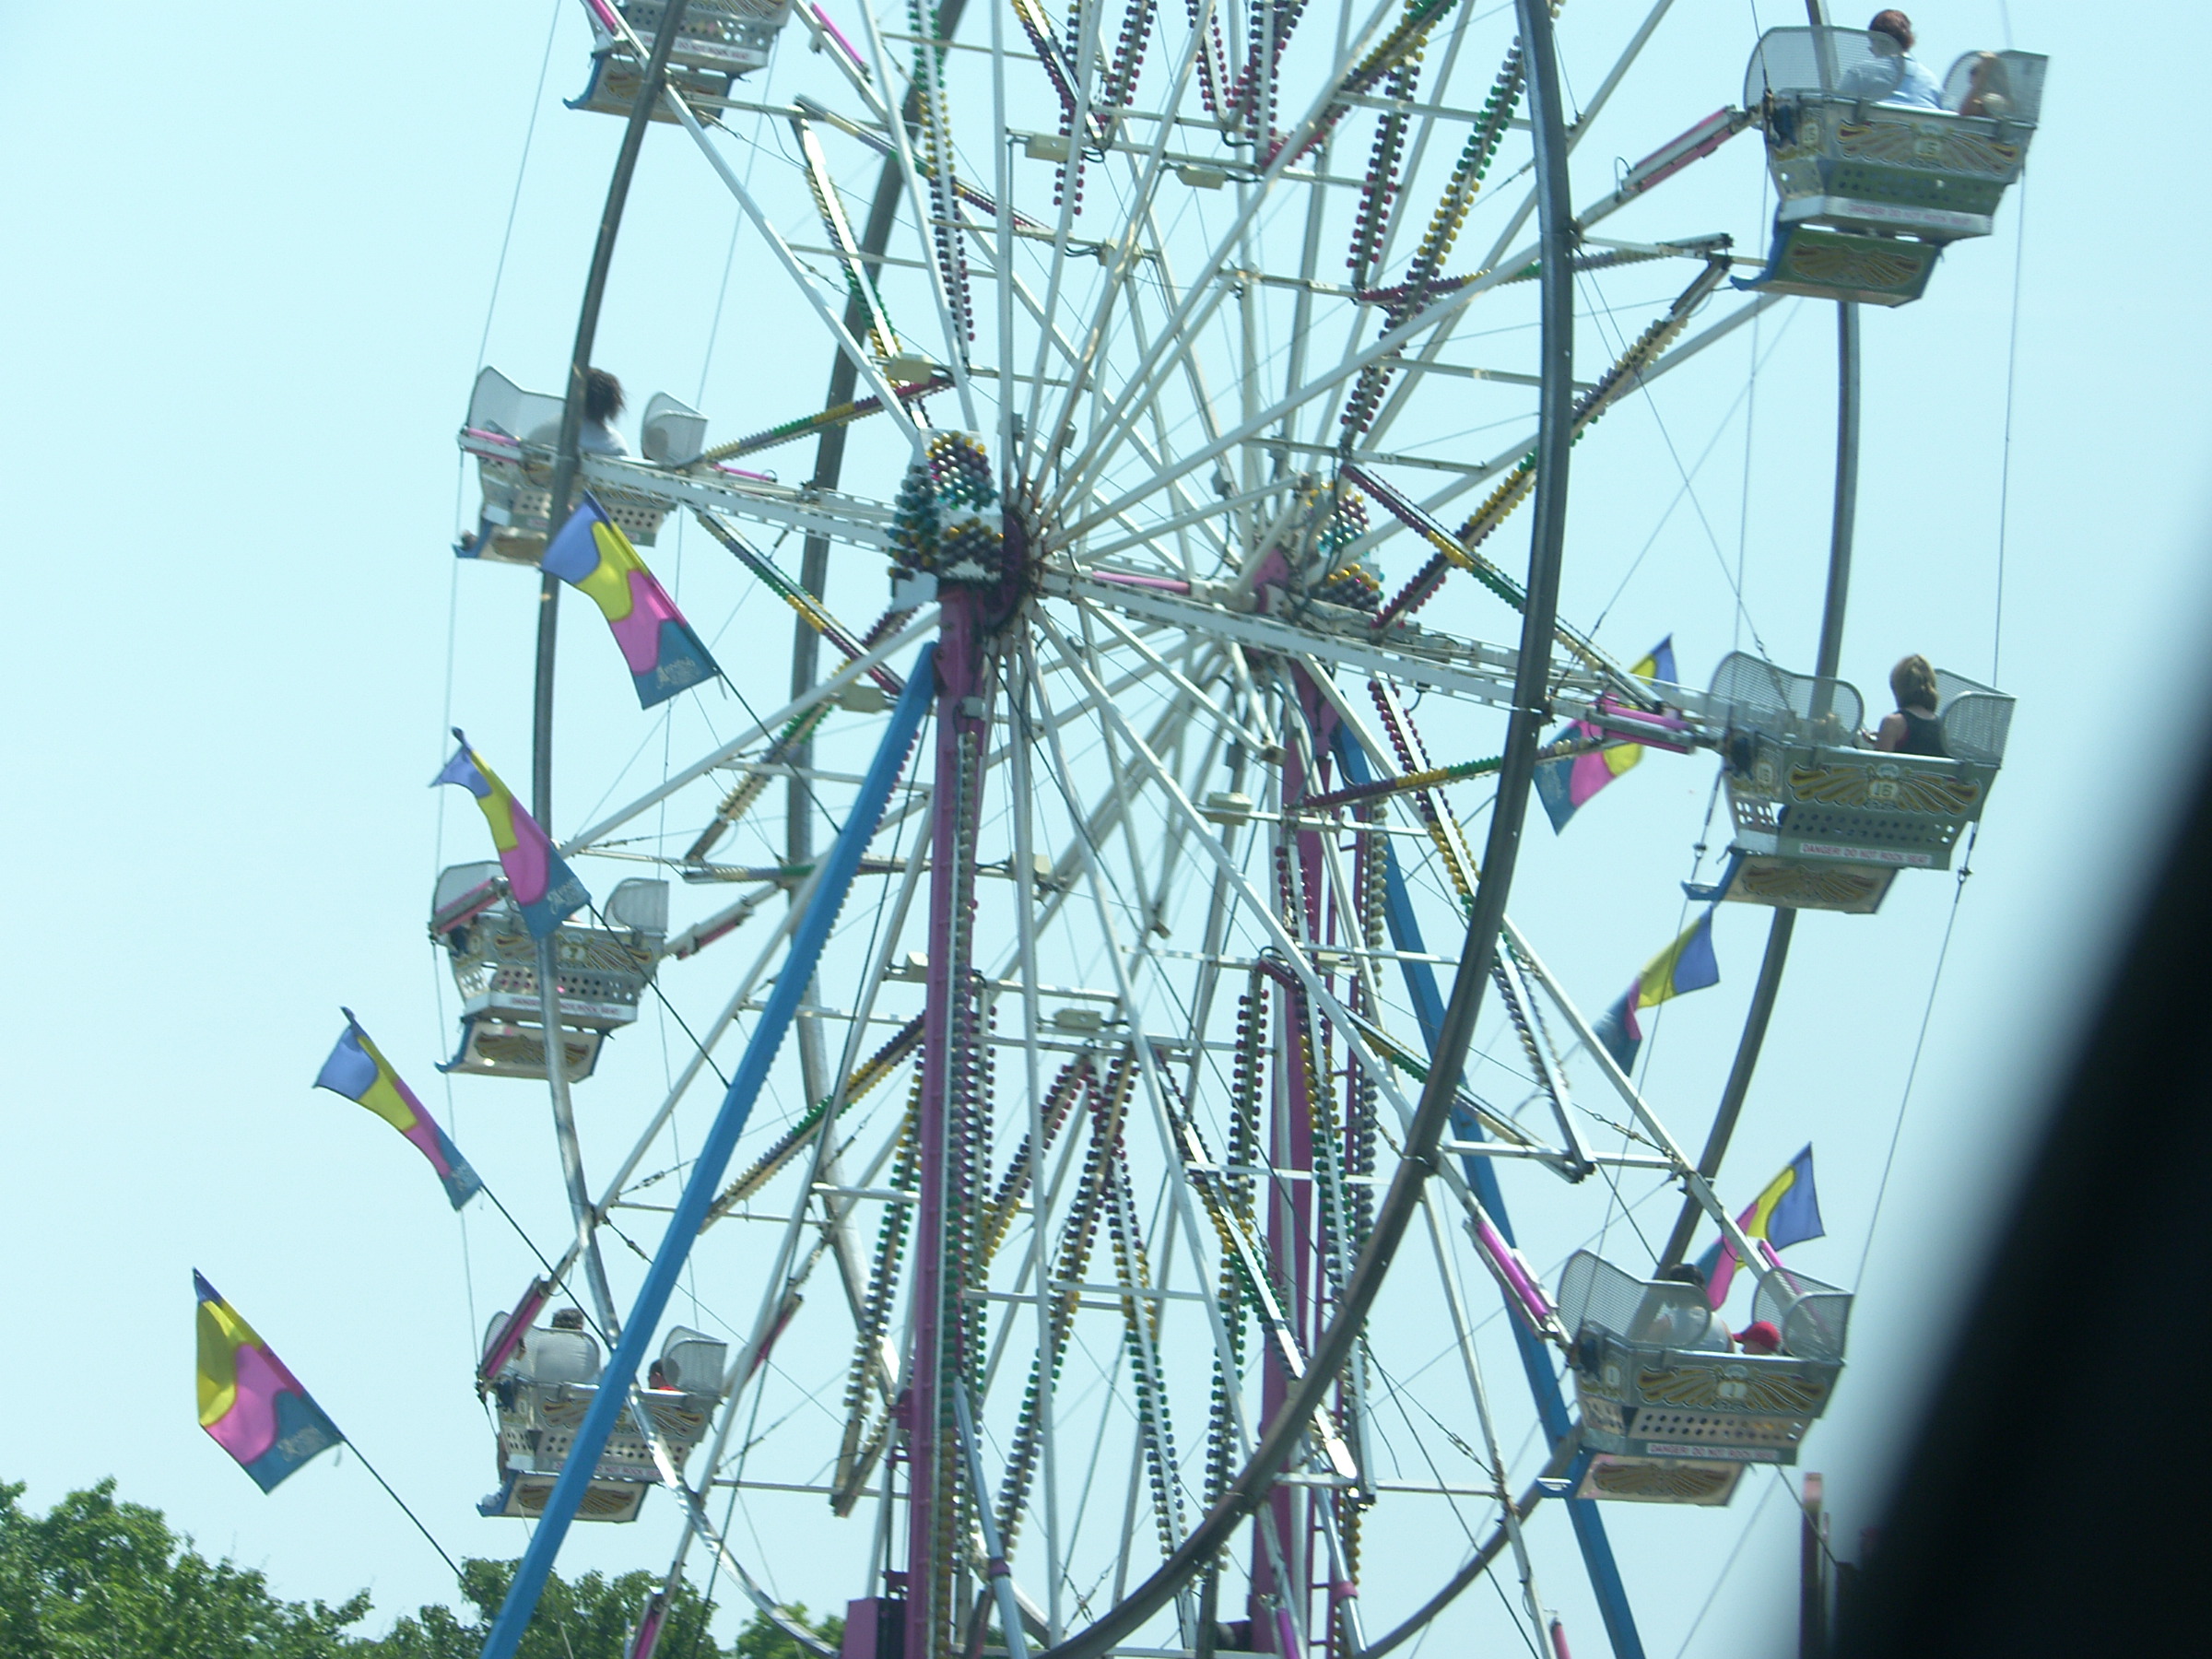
(762, 1638)
(102, 1580)
(591, 1618)
(93, 1577)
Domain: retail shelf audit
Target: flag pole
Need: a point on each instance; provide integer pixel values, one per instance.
(403, 1508)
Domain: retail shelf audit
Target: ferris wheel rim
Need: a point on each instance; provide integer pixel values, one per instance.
(1554, 202)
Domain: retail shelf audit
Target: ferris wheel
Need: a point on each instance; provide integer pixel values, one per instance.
(1078, 909)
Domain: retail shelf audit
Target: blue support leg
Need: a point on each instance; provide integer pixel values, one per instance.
(1536, 1359)
(806, 943)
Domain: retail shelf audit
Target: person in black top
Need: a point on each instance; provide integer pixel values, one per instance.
(1913, 729)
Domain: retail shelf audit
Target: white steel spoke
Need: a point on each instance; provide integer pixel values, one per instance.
(923, 623)
(1428, 318)
(1124, 256)
(1227, 246)
(955, 346)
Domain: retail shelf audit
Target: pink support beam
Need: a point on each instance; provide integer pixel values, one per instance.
(509, 1334)
(851, 52)
(1504, 1262)
(931, 1444)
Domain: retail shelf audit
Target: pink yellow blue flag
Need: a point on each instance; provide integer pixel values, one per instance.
(250, 1405)
(1787, 1212)
(1689, 964)
(1564, 784)
(357, 1069)
(542, 885)
(592, 554)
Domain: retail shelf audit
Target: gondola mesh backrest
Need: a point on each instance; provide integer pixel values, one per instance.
(1809, 60)
(1976, 718)
(1814, 1318)
(2017, 76)
(1761, 697)
(497, 403)
(1593, 1292)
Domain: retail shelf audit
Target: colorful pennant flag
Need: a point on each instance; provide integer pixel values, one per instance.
(1689, 964)
(357, 1069)
(250, 1405)
(542, 885)
(1563, 785)
(592, 554)
(1786, 1213)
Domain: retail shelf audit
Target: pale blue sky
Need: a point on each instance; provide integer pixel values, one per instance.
(248, 271)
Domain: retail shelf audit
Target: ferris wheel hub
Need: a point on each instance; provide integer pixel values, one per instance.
(950, 525)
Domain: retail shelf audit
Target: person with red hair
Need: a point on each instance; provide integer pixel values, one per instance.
(1893, 74)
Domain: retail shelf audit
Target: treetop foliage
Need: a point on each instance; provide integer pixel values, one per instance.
(98, 1579)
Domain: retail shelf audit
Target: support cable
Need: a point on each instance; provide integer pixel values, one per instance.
(407, 1511)
(1912, 1071)
(514, 200)
(1728, 1567)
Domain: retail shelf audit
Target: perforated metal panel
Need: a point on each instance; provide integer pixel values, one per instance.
(603, 970)
(641, 904)
(1763, 698)
(1850, 63)
(1754, 814)
(2010, 84)
(1811, 60)
(693, 1360)
(1814, 1318)
(639, 517)
(1826, 826)
(1976, 719)
(1595, 1292)
(1890, 169)
(1716, 1428)
(1647, 1400)
(715, 34)
(538, 1424)
(670, 433)
(517, 488)
(498, 405)
(1597, 1296)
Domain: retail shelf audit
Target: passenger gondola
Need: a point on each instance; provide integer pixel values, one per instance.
(1869, 189)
